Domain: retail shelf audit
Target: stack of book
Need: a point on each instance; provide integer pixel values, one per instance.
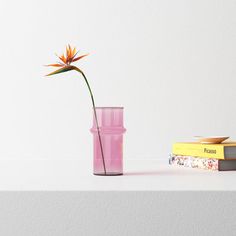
(204, 156)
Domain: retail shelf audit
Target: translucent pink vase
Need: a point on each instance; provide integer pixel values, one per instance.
(108, 160)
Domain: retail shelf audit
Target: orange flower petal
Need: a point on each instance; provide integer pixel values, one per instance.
(70, 51)
(80, 57)
(67, 58)
(74, 52)
(67, 54)
(63, 59)
(74, 56)
(55, 65)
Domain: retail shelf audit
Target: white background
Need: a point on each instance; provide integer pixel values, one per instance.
(171, 64)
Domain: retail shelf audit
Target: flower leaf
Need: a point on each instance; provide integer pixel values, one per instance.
(62, 70)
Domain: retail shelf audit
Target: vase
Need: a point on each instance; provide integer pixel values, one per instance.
(108, 133)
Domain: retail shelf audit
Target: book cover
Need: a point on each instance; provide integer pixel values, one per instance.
(194, 162)
(202, 163)
(216, 151)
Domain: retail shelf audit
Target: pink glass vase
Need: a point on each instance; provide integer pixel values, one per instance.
(108, 148)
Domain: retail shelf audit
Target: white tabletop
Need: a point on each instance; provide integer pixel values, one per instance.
(140, 175)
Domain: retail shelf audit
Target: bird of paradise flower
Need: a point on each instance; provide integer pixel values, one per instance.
(65, 65)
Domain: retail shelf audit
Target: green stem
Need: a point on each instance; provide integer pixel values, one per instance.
(96, 119)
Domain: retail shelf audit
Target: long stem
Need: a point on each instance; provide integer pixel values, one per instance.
(96, 119)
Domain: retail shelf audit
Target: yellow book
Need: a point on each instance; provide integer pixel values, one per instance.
(217, 151)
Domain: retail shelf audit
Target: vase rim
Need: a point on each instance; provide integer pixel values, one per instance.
(109, 107)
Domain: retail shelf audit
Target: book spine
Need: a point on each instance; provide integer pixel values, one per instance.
(194, 162)
(199, 150)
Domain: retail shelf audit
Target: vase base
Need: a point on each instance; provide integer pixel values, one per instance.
(108, 174)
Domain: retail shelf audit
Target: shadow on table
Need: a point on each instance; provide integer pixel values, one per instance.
(142, 173)
(172, 172)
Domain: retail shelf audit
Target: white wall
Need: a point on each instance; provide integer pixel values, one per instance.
(171, 64)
